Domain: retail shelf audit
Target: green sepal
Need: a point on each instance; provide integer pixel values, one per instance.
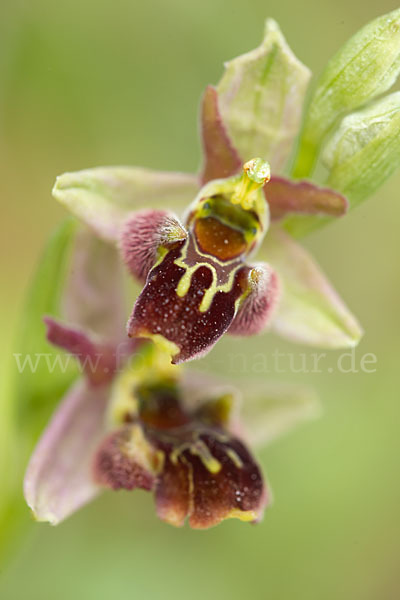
(261, 97)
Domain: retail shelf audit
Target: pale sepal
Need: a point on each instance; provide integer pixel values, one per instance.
(310, 310)
(104, 196)
(261, 97)
(270, 410)
(59, 477)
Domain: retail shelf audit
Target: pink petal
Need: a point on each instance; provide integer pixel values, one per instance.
(58, 479)
(98, 360)
(119, 464)
(220, 156)
(286, 196)
(143, 234)
(259, 307)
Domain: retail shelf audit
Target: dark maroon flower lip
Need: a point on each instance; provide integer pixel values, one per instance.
(196, 468)
(191, 331)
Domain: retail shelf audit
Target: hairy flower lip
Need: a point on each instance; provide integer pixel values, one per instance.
(196, 471)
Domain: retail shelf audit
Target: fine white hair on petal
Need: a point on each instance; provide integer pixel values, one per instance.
(141, 236)
(259, 306)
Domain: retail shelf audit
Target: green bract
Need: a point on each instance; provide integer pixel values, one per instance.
(365, 67)
(35, 392)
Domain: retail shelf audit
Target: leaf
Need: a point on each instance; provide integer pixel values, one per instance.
(274, 409)
(310, 311)
(365, 150)
(365, 67)
(104, 196)
(35, 389)
(261, 97)
(31, 393)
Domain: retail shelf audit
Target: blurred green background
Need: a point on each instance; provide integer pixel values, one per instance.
(90, 83)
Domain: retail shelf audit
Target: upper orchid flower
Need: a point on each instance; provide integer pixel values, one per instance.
(198, 283)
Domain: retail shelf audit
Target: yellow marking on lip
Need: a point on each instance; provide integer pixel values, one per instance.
(197, 448)
(235, 458)
(190, 485)
(243, 515)
(200, 449)
(184, 283)
(140, 449)
(162, 342)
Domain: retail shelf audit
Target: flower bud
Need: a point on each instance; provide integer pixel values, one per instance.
(365, 67)
(365, 150)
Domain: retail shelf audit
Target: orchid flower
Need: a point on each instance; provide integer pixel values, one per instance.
(196, 267)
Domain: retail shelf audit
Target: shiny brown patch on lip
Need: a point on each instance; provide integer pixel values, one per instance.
(218, 239)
